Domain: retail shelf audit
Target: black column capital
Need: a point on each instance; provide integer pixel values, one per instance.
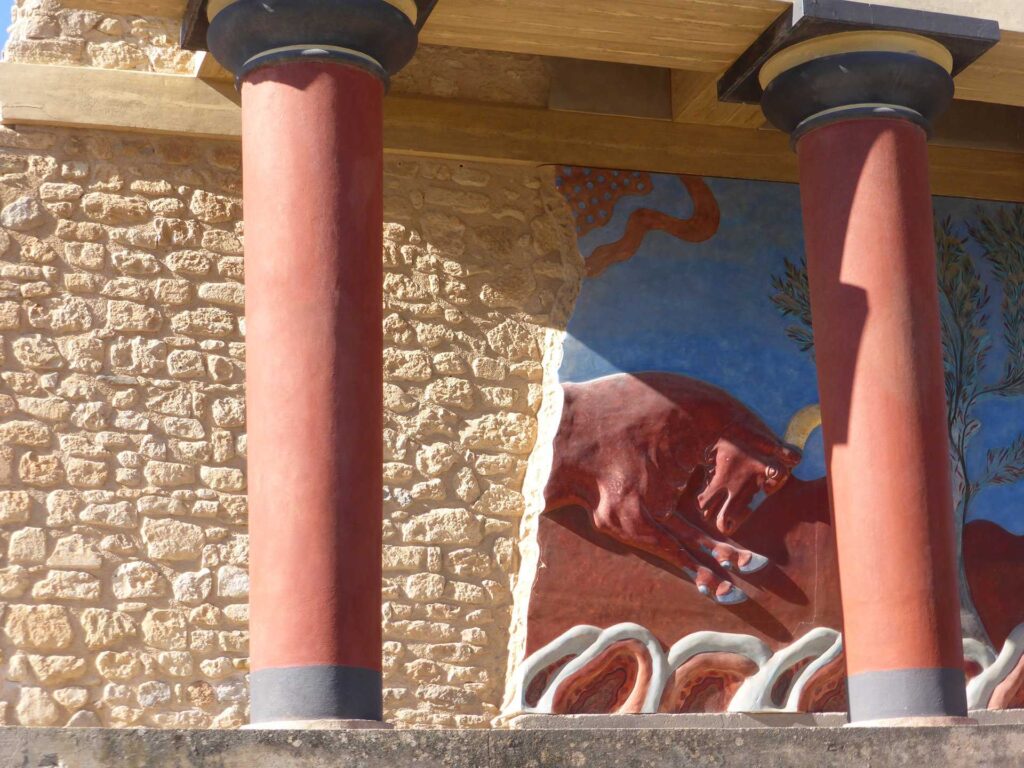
(377, 35)
(863, 75)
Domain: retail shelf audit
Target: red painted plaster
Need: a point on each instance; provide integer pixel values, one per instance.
(871, 260)
(312, 169)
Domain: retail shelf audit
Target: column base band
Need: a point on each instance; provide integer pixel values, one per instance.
(331, 53)
(860, 112)
(907, 693)
(322, 692)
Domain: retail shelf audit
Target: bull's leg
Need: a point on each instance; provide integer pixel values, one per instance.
(624, 519)
(727, 554)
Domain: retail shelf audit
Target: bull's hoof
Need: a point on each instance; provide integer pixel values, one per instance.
(734, 596)
(754, 564)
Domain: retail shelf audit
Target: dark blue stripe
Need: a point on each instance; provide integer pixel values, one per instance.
(324, 692)
(907, 693)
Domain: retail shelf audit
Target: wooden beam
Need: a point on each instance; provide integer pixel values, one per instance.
(695, 100)
(34, 94)
(679, 34)
(607, 88)
(998, 76)
(108, 99)
(208, 68)
(169, 9)
(698, 35)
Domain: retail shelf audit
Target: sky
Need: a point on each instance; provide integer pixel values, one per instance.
(705, 310)
(5, 17)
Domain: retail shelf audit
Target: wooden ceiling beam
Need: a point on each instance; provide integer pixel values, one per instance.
(177, 104)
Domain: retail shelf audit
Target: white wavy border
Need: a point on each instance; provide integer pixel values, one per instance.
(822, 645)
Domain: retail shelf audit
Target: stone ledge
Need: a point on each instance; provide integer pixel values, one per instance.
(976, 747)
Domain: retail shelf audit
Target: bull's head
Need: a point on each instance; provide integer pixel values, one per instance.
(740, 471)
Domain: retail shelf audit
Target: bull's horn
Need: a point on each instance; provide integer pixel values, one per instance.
(802, 425)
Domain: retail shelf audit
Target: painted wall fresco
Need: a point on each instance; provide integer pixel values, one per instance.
(687, 561)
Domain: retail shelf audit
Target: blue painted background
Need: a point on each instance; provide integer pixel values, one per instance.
(705, 310)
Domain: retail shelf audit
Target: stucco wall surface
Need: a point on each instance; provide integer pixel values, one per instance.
(123, 541)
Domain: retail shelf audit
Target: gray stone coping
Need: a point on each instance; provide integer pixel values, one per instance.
(949, 747)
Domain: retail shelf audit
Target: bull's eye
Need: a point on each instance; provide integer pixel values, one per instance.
(771, 472)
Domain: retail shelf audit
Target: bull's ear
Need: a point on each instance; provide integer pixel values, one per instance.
(790, 455)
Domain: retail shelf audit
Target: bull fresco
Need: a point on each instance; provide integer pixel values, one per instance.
(687, 562)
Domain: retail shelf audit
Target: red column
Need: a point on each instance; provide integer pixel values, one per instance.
(871, 259)
(312, 169)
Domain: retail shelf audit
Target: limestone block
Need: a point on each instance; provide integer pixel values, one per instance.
(226, 294)
(232, 582)
(13, 581)
(39, 470)
(166, 630)
(187, 429)
(116, 55)
(118, 666)
(425, 586)
(38, 627)
(27, 545)
(501, 501)
(138, 580)
(400, 365)
(73, 699)
(104, 628)
(61, 506)
(237, 613)
(114, 209)
(207, 321)
(172, 292)
(190, 262)
(236, 641)
(10, 316)
(443, 526)
(46, 408)
(67, 585)
(166, 474)
(153, 693)
(186, 364)
(54, 670)
(217, 668)
(37, 708)
(131, 316)
(37, 352)
(512, 432)
(83, 473)
(468, 563)
(132, 262)
(193, 587)
(435, 459)
(119, 514)
(451, 392)
(161, 505)
(211, 208)
(92, 416)
(172, 539)
(23, 214)
(229, 412)
(14, 507)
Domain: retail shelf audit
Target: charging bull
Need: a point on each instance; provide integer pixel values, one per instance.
(671, 466)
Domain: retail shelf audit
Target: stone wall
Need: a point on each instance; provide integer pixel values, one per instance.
(44, 32)
(123, 545)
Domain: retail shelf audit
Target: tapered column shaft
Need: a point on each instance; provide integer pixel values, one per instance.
(312, 169)
(871, 261)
